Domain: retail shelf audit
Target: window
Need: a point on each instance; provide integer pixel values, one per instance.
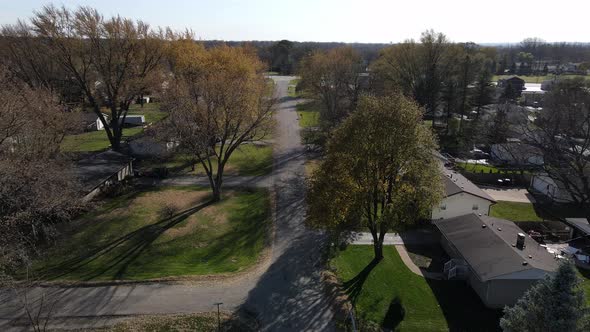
(475, 207)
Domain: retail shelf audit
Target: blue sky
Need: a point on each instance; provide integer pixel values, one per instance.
(346, 20)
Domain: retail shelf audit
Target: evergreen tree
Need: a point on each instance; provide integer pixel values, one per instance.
(555, 304)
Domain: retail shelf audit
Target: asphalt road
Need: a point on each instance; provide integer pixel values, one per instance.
(284, 293)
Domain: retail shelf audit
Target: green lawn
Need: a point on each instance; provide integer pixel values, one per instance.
(248, 160)
(538, 79)
(309, 115)
(585, 277)
(97, 140)
(164, 232)
(151, 112)
(93, 140)
(480, 168)
(391, 296)
(292, 88)
(515, 211)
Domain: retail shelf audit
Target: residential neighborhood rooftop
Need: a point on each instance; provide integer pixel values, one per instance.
(456, 183)
(488, 245)
(96, 169)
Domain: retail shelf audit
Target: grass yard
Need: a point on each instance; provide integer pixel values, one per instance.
(393, 297)
(151, 112)
(163, 232)
(248, 160)
(585, 277)
(308, 114)
(481, 168)
(292, 88)
(97, 140)
(515, 211)
(93, 140)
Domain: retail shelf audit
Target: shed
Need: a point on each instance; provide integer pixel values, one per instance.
(102, 170)
(494, 257)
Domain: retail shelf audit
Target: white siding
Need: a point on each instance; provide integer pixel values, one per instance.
(460, 204)
(547, 186)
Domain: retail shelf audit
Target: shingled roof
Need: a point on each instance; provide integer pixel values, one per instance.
(488, 245)
(96, 169)
(456, 183)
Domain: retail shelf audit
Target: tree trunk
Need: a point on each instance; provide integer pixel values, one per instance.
(216, 195)
(378, 248)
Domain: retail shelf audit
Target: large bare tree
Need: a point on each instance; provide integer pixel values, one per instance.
(218, 100)
(110, 61)
(333, 78)
(561, 135)
(37, 188)
(415, 68)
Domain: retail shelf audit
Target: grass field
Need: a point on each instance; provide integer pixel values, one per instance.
(172, 231)
(308, 114)
(93, 140)
(292, 88)
(97, 140)
(248, 160)
(515, 211)
(480, 168)
(538, 79)
(393, 297)
(585, 277)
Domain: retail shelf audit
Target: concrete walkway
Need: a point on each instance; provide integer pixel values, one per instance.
(285, 293)
(417, 237)
(414, 237)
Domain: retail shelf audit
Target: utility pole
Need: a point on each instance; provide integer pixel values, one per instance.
(218, 304)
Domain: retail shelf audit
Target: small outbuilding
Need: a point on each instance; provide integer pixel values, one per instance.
(102, 170)
(494, 256)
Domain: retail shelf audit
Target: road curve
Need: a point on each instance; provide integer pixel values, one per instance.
(285, 293)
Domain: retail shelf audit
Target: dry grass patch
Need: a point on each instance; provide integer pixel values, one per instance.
(164, 232)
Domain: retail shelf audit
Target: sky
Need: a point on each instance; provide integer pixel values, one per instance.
(366, 21)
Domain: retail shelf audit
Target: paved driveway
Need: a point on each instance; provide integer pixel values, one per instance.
(510, 195)
(285, 293)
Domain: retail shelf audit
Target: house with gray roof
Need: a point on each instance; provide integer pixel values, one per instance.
(461, 196)
(494, 257)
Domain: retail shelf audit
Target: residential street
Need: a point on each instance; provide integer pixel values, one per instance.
(284, 293)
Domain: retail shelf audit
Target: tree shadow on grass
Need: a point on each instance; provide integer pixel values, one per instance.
(395, 314)
(354, 286)
(126, 248)
(462, 308)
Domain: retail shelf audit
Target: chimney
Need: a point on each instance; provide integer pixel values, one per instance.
(520, 241)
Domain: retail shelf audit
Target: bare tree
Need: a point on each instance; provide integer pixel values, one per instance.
(416, 68)
(561, 134)
(333, 78)
(218, 100)
(111, 61)
(37, 187)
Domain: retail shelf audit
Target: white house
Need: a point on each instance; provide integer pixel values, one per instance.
(461, 197)
(551, 188)
(130, 120)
